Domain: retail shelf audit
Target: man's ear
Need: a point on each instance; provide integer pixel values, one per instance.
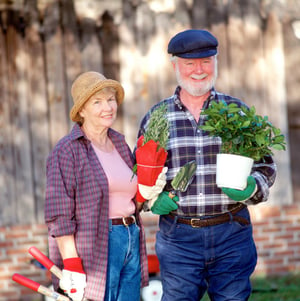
(174, 65)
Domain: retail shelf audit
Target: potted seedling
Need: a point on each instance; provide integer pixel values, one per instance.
(245, 136)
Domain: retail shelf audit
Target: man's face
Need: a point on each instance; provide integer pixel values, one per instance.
(196, 76)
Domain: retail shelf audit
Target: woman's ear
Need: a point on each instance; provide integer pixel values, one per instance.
(81, 114)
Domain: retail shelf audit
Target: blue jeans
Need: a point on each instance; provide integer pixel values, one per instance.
(217, 259)
(123, 269)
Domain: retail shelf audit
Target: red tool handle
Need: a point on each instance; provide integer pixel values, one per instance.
(40, 257)
(45, 261)
(26, 282)
(38, 287)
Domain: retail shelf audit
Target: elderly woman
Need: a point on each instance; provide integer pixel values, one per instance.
(95, 231)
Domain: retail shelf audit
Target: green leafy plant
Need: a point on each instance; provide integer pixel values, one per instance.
(242, 131)
(158, 128)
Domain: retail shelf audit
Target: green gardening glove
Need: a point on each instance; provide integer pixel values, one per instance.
(164, 204)
(242, 195)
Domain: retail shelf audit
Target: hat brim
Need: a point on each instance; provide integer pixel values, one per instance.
(107, 83)
(197, 54)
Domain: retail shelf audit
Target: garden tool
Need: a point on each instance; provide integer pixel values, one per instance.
(183, 178)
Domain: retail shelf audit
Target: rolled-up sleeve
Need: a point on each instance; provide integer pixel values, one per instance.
(264, 173)
(60, 194)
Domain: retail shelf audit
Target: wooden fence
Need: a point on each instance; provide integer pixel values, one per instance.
(45, 44)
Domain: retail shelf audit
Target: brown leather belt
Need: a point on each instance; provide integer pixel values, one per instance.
(214, 220)
(125, 221)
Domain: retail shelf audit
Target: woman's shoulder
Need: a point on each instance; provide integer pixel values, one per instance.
(70, 141)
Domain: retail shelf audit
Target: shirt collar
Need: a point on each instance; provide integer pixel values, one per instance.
(78, 133)
(206, 103)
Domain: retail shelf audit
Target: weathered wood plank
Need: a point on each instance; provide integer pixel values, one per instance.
(91, 52)
(133, 91)
(277, 104)
(71, 49)
(109, 40)
(254, 65)
(38, 109)
(7, 168)
(218, 25)
(292, 79)
(55, 73)
(236, 50)
(19, 103)
(199, 14)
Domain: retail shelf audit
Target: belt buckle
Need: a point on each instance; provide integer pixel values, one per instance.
(124, 220)
(193, 221)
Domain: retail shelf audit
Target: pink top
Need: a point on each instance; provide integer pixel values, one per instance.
(122, 186)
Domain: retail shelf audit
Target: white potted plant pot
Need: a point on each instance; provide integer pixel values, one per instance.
(233, 171)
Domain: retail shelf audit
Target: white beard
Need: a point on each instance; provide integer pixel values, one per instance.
(199, 88)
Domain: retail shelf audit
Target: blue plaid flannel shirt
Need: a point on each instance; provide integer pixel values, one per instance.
(187, 142)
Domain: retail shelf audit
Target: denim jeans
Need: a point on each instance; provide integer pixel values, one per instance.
(123, 270)
(217, 259)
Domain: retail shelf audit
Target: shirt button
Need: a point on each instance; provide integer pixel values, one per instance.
(199, 151)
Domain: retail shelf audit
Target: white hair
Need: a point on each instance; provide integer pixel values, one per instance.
(195, 90)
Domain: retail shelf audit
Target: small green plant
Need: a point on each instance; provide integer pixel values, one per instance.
(158, 128)
(242, 131)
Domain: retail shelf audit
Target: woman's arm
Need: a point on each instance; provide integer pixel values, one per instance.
(66, 246)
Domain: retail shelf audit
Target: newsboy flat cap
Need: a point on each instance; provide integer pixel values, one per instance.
(193, 43)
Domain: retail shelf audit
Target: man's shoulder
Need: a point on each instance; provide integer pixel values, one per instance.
(164, 102)
(219, 96)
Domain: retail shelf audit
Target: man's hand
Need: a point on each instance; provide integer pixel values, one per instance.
(242, 195)
(164, 204)
(152, 192)
(73, 280)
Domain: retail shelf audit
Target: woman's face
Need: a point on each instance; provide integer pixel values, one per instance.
(100, 111)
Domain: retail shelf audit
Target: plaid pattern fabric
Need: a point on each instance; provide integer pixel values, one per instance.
(187, 142)
(77, 203)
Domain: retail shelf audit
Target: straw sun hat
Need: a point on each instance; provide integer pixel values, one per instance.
(87, 84)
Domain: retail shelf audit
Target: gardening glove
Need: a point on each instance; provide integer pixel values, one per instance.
(242, 195)
(164, 204)
(73, 280)
(152, 192)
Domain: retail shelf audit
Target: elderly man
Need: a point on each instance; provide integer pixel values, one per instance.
(205, 241)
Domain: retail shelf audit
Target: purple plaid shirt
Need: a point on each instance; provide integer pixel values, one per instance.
(77, 203)
(187, 142)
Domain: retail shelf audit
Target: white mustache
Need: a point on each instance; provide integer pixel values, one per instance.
(201, 76)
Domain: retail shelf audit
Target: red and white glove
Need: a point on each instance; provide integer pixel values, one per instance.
(73, 280)
(152, 192)
(150, 161)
